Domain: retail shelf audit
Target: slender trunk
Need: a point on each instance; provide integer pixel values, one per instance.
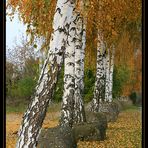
(69, 77)
(79, 113)
(83, 54)
(35, 114)
(99, 90)
(82, 7)
(107, 81)
(111, 75)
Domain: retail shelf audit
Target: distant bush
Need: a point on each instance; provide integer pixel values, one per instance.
(89, 82)
(24, 88)
(58, 93)
(22, 71)
(120, 78)
(22, 85)
(136, 98)
(133, 97)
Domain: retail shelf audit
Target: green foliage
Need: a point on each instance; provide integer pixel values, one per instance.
(133, 97)
(59, 87)
(22, 86)
(136, 98)
(89, 81)
(11, 71)
(22, 89)
(18, 106)
(120, 78)
(31, 68)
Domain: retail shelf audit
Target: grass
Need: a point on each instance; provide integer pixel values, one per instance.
(18, 109)
(22, 106)
(54, 107)
(131, 108)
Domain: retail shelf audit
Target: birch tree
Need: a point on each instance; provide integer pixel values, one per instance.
(107, 76)
(69, 76)
(79, 113)
(72, 105)
(83, 53)
(35, 114)
(99, 90)
(83, 38)
(111, 75)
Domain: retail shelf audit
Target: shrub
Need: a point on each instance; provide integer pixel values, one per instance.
(120, 78)
(89, 82)
(26, 87)
(23, 89)
(23, 84)
(136, 98)
(58, 93)
(133, 97)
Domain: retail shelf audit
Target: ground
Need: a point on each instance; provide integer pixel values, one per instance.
(126, 132)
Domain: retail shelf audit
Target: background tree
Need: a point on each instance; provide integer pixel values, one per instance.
(99, 90)
(21, 72)
(69, 75)
(79, 112)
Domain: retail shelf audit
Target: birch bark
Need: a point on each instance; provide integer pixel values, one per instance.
(35, 114)
(84, 23)
(107, 80)
(83, 54)
(111, 75)
(69, 77)
(79, 113)
(99, 90)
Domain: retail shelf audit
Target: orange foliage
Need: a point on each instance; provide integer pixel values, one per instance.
(111, 17)
(132, 59)
(38, 16)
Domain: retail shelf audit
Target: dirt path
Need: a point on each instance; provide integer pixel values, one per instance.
(124, 133)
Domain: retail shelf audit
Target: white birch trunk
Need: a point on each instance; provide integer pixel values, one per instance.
(99, 90)
(83, 54)
(79, 113)
(107, 81)
(35, 114)
(111, 75)
(69, 77)
(82, 6)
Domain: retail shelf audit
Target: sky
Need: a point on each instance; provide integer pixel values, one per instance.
(14, 29)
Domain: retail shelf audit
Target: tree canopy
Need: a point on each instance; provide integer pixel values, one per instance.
(118, 20)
